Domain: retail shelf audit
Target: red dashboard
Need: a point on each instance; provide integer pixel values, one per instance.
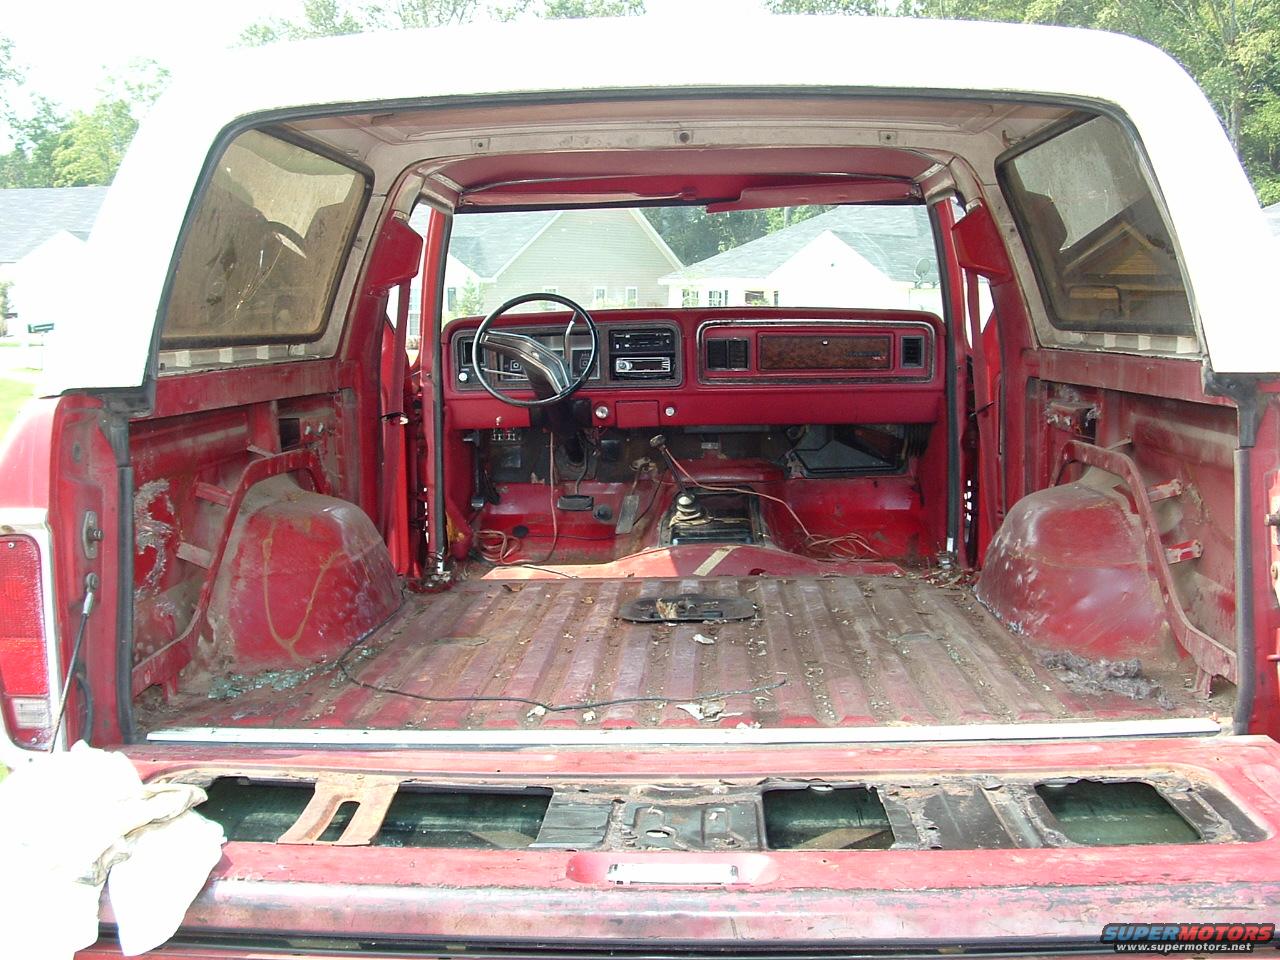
(724, 366)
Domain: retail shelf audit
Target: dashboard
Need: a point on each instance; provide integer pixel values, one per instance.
(629, 355)
(719, 367)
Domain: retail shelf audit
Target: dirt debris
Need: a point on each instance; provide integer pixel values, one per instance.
(1106, 676)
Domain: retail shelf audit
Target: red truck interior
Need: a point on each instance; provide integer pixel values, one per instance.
(970, 529)
(950, 622)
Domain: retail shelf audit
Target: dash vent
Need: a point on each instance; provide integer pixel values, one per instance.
(728, 354)
(913, 352)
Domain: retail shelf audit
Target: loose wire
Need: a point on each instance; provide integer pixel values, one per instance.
(811, 540)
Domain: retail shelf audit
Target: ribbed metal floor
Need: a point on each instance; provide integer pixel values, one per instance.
(821, 652)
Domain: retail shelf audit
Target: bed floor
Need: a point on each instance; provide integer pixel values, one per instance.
(834, 651)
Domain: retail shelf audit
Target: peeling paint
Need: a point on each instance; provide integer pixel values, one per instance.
(150, 532)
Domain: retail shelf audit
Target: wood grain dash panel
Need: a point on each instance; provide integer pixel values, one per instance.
(825, 352)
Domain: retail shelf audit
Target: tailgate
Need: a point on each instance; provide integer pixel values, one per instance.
(1011, 846)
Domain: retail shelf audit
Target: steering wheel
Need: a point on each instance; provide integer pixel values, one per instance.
(550, 373)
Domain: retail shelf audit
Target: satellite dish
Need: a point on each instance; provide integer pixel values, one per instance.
(926, 270)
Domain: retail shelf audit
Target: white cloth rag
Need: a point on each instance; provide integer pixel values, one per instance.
(74, 820)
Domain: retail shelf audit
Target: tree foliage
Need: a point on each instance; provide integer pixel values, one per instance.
(331, 18)
(29, 162)
(693, 234)
(91, 147)
(53, 149)
(1231, 47)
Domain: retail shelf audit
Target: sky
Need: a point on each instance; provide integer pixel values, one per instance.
(70, 47)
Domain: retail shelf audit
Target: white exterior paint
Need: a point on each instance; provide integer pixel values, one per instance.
(825, 272)
(39, 293)
(835, 274)
(456, 277)
(1221, 233)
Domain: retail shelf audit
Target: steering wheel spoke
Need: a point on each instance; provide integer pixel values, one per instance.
(550, 374)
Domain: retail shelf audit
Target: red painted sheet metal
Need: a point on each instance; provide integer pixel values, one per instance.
(56, 457)
(822, 652)
(1069, 570)
(304, 573)
(852, 897)
(694, 403)
(162, 665)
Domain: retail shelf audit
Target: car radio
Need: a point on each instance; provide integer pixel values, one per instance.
(634, 368)
(642, 354)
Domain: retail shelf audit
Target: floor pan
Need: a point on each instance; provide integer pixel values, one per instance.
(820, 652)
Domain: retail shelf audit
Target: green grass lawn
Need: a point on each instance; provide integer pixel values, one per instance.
(13, 393)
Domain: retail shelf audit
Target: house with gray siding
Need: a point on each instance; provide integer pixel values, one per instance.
(598, 258)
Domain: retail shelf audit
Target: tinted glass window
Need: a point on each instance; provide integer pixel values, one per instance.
(1097, 240)
(263, 253)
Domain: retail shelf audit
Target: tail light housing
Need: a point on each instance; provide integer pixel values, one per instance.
(26, 699)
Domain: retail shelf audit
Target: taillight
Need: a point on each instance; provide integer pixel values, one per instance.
(24, 660)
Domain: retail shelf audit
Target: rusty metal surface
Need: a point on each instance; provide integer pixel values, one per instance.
(857, 651)
(372, 795)
(1041, 898)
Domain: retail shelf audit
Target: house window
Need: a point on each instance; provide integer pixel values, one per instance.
(717, 298)
(547, 304)
(689, 297)
(451, 299)
(598, 296)
(775, 298)
(633, 297)
(755, 298)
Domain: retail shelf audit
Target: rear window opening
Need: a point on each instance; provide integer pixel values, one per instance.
(826, 818)
(1100, 813)
(256, 811)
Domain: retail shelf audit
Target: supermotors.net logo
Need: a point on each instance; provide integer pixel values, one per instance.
(1187, 937)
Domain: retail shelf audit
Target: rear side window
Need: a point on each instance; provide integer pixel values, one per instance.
(262, 256)
(1101, 250)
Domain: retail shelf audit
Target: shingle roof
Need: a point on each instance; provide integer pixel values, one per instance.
(31, 215)
(1272, 213)
(486, 242)
(892, 238)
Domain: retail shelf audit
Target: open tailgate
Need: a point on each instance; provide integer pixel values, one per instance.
(989, 846)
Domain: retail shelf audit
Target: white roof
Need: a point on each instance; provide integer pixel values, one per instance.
(1221, 233)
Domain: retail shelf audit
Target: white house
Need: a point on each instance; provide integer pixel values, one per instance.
(867, 256)
(599, 258)
(42, 243)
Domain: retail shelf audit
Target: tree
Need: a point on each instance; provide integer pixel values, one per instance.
(1231, 47)
(330, 18)
(51, 149)
(471, 303)
(10, 77)
(29, 162)
(320, 18)
(90, 149)
(866, 8)
(4, 307)
(779, 218)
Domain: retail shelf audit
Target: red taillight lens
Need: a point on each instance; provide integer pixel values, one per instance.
(24, 662)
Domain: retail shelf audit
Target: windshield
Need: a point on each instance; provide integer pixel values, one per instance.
(671, 257)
